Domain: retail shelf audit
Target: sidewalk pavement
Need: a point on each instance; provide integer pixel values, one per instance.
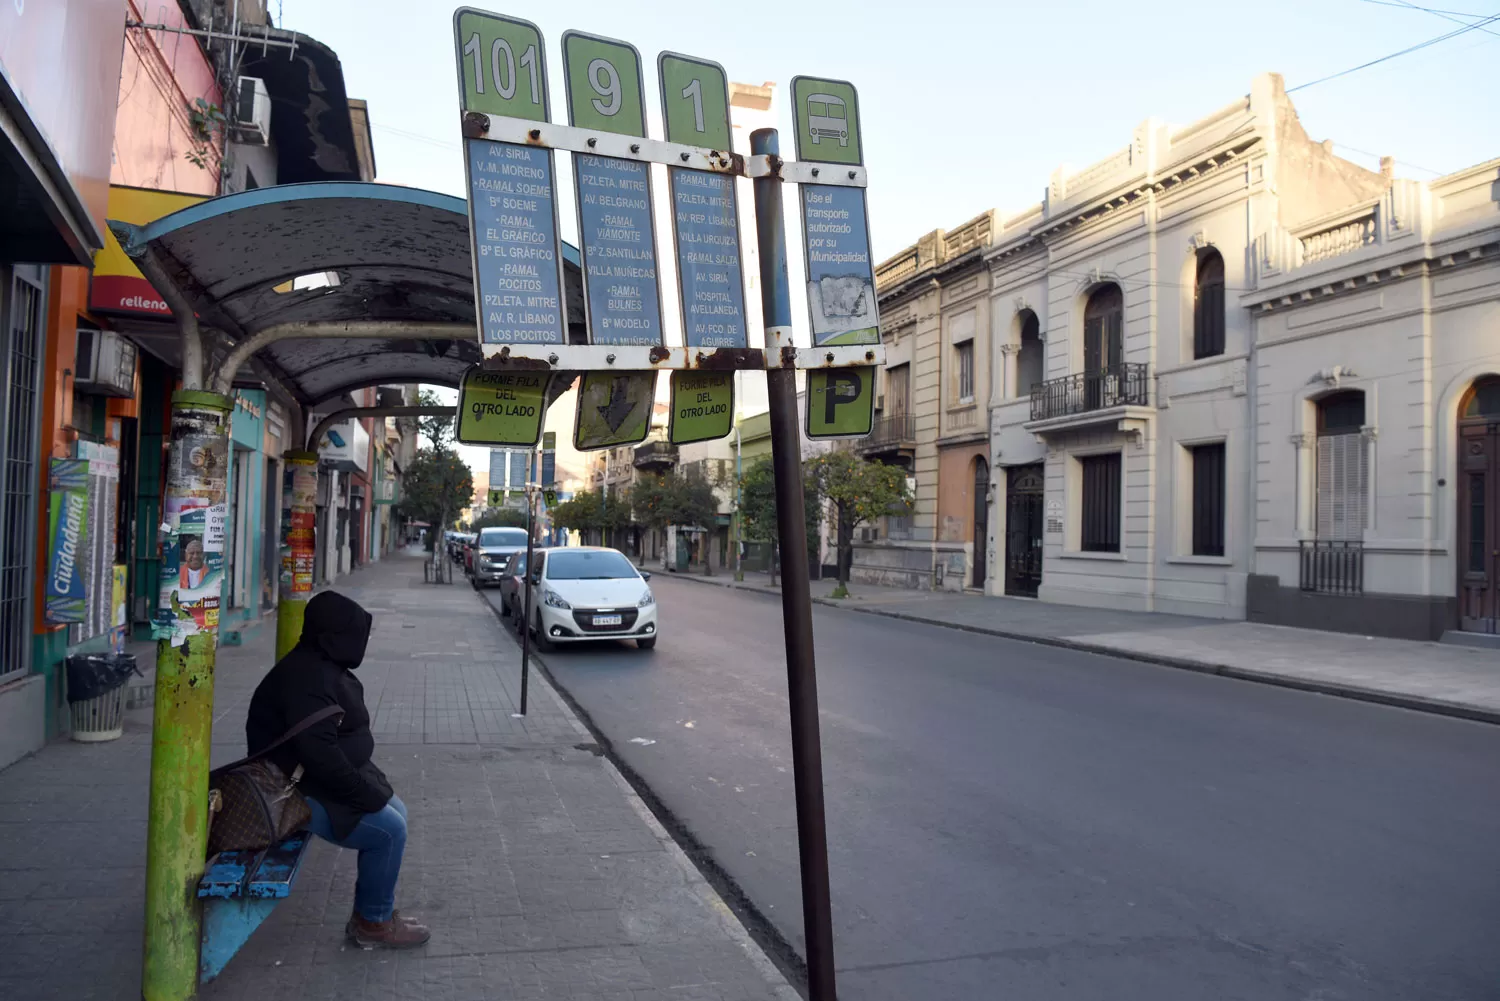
(541, 873)
(1432, 677)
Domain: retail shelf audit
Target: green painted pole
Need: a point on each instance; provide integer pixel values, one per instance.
(187, 637)
(297, 561)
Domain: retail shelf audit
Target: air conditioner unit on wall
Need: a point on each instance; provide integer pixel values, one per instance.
(251, 120)
(105, 363)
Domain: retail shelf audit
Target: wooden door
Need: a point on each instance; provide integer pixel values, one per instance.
(1479, 527)
(1024, 497)
(981, 520)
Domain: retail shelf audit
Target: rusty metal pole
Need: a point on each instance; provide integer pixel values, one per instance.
(796, 591)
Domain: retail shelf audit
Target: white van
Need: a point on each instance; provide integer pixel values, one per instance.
(827, 117)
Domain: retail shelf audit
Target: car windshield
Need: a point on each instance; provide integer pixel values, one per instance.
(590, 564)
(502, 537)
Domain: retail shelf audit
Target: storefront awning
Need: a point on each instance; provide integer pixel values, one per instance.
(331, 253)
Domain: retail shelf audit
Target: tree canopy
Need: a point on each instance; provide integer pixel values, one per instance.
(436, 429)
(860, 492)
(435, 487)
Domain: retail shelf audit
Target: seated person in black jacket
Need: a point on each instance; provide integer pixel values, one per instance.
(352, 803)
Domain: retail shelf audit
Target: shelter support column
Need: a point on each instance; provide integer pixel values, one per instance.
(298, 554)
(192, 577)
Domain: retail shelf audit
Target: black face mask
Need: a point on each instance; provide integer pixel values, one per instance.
(338, 627)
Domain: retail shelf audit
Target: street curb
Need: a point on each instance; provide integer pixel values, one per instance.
(636, 793)
(1416, 703)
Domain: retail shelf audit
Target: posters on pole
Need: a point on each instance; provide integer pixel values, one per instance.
(67, 521)
(616, 223)
(192, 555)
(301, 541)
(549, 458)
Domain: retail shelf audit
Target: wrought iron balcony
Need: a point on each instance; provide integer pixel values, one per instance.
(656, 455)
(891, 434)
(1126, 384)
(1333, 567)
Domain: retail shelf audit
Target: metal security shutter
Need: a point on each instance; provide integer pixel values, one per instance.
(1343, 486)
(1208, 500)
(21, 334)
(1101, 503)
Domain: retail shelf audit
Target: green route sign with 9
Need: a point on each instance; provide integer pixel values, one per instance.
(502, 65)
(840, 402)
(605, 89)
(695, 101)
(827, 114)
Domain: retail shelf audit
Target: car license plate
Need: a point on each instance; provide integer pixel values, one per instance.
(607, 620)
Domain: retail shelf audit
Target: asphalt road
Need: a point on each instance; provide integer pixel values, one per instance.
(1015, 821)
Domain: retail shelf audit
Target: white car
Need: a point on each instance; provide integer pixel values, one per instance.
(583, 593)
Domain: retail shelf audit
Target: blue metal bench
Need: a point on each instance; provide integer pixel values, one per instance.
(240, 890)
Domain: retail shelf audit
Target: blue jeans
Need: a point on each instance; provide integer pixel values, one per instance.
(380, 839)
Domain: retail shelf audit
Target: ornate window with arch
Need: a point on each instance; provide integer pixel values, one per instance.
(1208, 305)
(1343, 474)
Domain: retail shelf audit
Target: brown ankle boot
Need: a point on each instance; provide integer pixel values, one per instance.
(397, 933)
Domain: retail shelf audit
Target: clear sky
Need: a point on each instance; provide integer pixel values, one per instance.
(965, 106)
(968, 106)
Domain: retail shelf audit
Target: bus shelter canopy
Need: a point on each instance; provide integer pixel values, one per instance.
(337, 252)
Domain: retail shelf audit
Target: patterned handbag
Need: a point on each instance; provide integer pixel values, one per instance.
(253, 804)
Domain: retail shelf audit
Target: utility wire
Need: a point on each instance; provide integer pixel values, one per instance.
(1409, 49)
(1456, 16)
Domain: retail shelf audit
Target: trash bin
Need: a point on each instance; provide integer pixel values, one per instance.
(96, 694)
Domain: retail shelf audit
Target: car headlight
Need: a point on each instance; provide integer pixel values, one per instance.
(555, 600)
(646, 599)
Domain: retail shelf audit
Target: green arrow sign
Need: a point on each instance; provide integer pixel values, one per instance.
(702, 406)
(614, 408)
(502, 408)
(840, 402)
(502, 65)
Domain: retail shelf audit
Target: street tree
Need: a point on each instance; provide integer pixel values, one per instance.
(758, 509)
(436, 429)
(860, 491)
(435, 485)
(693, 503)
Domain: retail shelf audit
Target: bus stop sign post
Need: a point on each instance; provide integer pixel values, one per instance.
(509, 142)
(796, 590)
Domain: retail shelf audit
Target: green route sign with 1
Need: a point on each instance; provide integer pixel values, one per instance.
(502, 408)
(705, 210)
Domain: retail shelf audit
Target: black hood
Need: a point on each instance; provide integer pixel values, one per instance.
(338, 627)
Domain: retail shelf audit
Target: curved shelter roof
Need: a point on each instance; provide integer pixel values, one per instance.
(322, 254)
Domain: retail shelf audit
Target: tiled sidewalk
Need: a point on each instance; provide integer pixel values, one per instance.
(541, 873)
(1434, 677)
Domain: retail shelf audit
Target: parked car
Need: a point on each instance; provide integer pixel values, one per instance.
(587, 593)
(512, 586)
(491, 550)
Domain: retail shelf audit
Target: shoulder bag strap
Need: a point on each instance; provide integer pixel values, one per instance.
(325, 713)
